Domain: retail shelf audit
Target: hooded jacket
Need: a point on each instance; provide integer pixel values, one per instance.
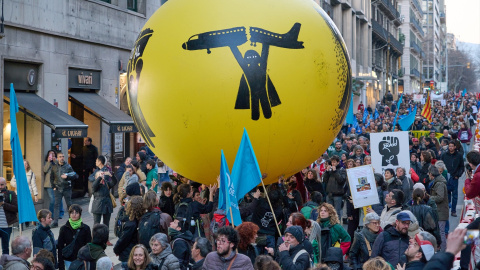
(390, 245)
(12, 262)
(286, 258)
(181, 246)
(170, 262)
(439, 195)
(91, 253)
(335, 255)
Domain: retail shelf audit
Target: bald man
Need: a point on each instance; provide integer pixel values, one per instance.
(8, 214)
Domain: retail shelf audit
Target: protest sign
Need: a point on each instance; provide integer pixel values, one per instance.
(362, 186)
(390, 150)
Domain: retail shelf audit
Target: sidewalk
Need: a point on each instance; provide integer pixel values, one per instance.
(87, 218)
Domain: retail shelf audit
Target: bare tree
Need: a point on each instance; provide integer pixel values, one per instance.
(461, 71)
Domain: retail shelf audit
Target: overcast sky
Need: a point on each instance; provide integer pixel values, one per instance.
(463, 19)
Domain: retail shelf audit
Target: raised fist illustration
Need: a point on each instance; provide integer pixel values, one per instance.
(389, 148)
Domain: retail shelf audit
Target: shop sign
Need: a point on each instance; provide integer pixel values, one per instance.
(70, 132)
(85, 79)
(22, 75)
(122, 128)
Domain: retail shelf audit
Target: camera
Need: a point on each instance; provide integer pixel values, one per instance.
(1, 197)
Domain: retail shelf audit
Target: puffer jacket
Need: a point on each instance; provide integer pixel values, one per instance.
(57, 171)
(335, 180)
(439, 195)
(170, 262)
(127, 239)
(67, 233)
(102, 203)
(359, 250)
(214, 261)
(390, 245)
(287, 256)
(395, 184)
(12, 262)
(43, 238)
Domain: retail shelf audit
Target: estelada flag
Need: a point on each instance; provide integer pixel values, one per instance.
(427, 109)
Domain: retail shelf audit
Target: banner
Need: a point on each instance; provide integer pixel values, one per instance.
(436, 97)
(443, 102)
(389, 150)
(419, 133)
(417, 97)
(362, 186)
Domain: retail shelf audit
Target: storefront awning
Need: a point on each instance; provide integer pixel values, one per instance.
(65, 125)
(113, 116)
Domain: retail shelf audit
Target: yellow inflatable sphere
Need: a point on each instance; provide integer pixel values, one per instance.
(202, 71)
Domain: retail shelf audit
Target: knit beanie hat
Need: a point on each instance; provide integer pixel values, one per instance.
(370, 217)
(296, 231)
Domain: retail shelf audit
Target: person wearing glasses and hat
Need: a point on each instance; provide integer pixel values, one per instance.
(420, 250)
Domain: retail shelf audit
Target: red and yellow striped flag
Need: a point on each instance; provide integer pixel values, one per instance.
(427, 109)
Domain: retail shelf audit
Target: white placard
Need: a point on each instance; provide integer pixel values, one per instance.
(434, 96)
(423, 101)
(362, 186)
(417, 97)
(443, 102)
(390, 150)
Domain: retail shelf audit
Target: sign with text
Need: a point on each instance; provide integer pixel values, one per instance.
(362, 186)
(389, 150)
(122, 128)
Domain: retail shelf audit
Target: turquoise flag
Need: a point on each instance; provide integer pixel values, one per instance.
(227, 195)
(407, 121)
(26, 210)
(350, 115)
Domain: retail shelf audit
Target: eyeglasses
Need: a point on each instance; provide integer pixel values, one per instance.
(222, 241)
(35, 267)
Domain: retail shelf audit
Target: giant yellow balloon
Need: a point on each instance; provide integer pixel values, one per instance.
(201, 71)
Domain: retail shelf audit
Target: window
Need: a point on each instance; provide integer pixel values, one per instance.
(107, 1)
(132, 5)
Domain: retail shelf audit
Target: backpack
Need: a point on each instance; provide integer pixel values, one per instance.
(79, 265)
(120, 221)
(314, 214)
(182, 211)
(307, 211)
(218, 221)
(189, 255)
(326, 241)
(148, 226)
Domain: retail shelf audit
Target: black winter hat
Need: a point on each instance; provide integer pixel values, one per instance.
(133, 189)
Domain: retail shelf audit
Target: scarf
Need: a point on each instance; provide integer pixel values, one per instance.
(75, 224)
(389, 181)
(369, 234)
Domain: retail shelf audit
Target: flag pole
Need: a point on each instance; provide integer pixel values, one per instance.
(269, 203)
(231, 216)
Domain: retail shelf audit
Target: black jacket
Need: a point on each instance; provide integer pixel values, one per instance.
(286, 259)
(334, 181)
(167, 205)
(57, 171)
(127, 239)
(181, 246)
(415, 265)
(423, 175)
(251, 252)
(43, 238)
(454, 163)
(120, 171)
(91, 253)
(102, 203)
(89, 155)
(143, 162)
(313, 185)
(359, 250)
(440, 261)
(390, 245)
(65, 237)
(263, 217)
(197, 265)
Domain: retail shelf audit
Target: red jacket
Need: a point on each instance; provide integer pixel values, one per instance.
(472, 186)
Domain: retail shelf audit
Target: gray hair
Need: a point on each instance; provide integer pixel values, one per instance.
(429, 237)
(440, 165)
(371, 216)
(104, 263)
(160, 238)
(19, 244)
(403, 169)
(433, 171)
(204, 246)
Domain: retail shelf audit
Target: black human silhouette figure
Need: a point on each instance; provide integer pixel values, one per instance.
(256, 88)
(135, 65)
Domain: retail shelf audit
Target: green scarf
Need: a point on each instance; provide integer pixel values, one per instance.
(75, 224)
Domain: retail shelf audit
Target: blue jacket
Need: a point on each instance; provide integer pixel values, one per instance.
(391, 245)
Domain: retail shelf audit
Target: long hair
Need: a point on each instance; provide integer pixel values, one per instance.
(332, 213)
(418, 195)
(246, 231)
(182, 192)
(300, 220)
(377, 263)
(314, 175)
(135, 208)
(131, 264)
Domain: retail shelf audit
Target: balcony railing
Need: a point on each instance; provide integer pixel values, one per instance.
(417, 26)
(442, 17)
(417, 48)
(415, 72)
(389, 9)
(379, 30)
(395, 43)
(418, 6)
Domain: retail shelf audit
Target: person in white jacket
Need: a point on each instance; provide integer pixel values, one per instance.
(32, 182)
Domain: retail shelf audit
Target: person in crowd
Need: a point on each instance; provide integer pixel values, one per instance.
(91, 252)
(181, 243)
(265, 262)
(293, 198)
(226, 254)
(50, 160)
(420, 250)
(425, 160)
(335, 178)
(334, 259)
(152, 175)
(292, 254)
(139, 259)
(382, 193)
(377, 263)
(141, 158)
(8, 214)
(88, 156)
(153, 215)
(73, 235)
(391, 181)
(138, 171)
(465, 135)
(31, 180)
(122, 167)
(367, 160)
(454, 162)
(312, 183)
(338, 151)
(42, 264)
(62, 175)
(444, 260)
(162, 253)
(393, 206)
(166, 199)
(43, 253)
(263, 218)
(102, 206)
(42, 236)
(104, 264)
(332, 231)
(129, 177)
(363, 241)
(128, 237)
(247, 232)
(407, 184)
(21, 252)
(358, 153)
(393, 241)
(310, 208)
(200, 250)
(439, 196)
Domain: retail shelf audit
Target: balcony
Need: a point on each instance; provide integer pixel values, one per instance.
(414, 46)
(418, 7)
(395, 44)
(379, 32)
(417, 26)
(414, 72)
(389, 9)
(442, 17)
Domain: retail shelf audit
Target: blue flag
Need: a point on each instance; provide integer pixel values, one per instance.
(407, 121)
(227, 195)
(26, 210)
(245, 173)
(350, 114)
(365, 116)
(464, 92)
(396, 114)
(376, 115)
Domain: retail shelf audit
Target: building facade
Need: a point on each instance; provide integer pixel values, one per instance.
(412, 59)
(433, 43)
(67, 61)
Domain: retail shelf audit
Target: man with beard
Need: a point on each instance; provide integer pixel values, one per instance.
(292, 254)
(393, 241)
(420, 250)
(226, 255)
(338, 150)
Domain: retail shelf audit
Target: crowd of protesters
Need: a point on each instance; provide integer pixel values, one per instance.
(305, 221)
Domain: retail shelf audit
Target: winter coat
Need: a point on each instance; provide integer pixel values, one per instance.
(359, 251)
(10, 206)
(32, 182)
(91, 253)
(472, 186)
(120, 171)
(395, 184)
(57, 171)
(423, 175)
(314, 185)
(454, 164)
(335, 180)
(407, 188)
(102, 203)
(465, 135)
(12, 262)
(390, 245)
(415, 265)
(263, 217)
(441, 260)
(439, 195)
(378, 208)
(337, 153)
(150, 266)
(337, 234)
(47, 170)
(142, 162)
(416, 166)
(43, 238)
(167, 205)
(89, 155)
(152, 175)
(65, 237)
(286, 259)
(181, 246)
(170, 262)
(250, 252)
(295, 204)
(197, 265)
(389, 215)
(214, 261)
(127, 239)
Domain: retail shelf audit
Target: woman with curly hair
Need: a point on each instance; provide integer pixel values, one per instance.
(127, 237)
(332, 232)
(247, 231)
(139, 259)
(377, 263)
